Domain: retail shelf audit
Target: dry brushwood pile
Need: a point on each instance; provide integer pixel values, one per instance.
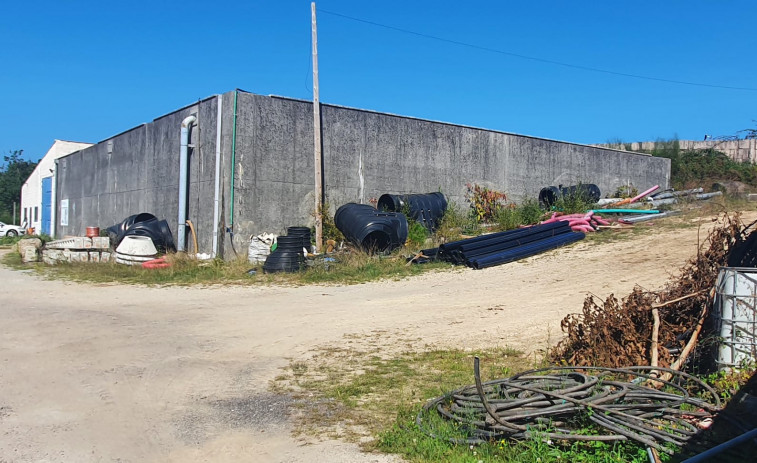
(658, 328)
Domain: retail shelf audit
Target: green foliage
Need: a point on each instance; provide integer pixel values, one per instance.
(416, 234)
(329, 230)
(528, 212)
(728, 382)
(508, 218)
(13, 173)
(574, 203)
(454, 223)
(693, 168)
(484, 201)
(626, 191)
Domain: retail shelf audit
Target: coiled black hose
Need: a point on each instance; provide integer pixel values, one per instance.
(554, 403)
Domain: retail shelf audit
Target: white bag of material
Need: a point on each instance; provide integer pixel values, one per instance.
(260, 247)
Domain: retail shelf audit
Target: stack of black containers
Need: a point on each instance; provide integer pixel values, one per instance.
(289, 255)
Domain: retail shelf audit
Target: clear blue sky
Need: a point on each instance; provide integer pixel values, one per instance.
(86, 70)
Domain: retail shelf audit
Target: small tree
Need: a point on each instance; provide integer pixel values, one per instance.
(13, 173)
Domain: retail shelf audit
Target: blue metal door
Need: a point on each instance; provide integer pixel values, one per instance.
(47, 201)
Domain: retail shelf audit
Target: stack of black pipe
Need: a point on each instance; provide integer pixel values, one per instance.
(303, 232)
(289, 255)
(500, 248)
(426, 209)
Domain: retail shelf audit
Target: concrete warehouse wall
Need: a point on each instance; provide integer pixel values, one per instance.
(365, 154)
(138, 171)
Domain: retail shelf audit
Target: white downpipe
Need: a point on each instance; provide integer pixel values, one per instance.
(216, 199)
(54, 201)
(183, 182)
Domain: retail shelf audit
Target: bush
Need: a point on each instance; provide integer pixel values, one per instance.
(574, 203)
(694, 168)
(416, 234)
(454, 223)
(484, 201)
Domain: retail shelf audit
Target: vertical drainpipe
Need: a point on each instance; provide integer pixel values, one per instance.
(54, 200)
(233, 162)
(216, 203)
(183, 182)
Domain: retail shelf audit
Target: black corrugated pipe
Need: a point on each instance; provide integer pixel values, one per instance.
(549, 195)
(426, 209)
(371, 229)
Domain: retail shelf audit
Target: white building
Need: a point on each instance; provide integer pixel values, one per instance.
(38, 192)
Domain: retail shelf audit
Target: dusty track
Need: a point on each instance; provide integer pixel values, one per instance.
(93, 373)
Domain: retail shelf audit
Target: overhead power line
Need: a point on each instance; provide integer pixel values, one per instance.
(534, 58)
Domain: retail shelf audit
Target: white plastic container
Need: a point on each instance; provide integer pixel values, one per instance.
(735, 311)
(133, 250)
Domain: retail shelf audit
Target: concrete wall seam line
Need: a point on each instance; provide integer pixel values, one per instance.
(183, 184)
(216, 199)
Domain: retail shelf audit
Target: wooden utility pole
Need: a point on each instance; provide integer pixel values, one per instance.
(317, 140)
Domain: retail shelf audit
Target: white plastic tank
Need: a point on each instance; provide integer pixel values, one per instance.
(735, 311)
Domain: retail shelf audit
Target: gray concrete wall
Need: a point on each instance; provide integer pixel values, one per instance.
(366, 154)
(141, 174)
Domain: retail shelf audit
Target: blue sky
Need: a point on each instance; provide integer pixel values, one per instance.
(85, 70)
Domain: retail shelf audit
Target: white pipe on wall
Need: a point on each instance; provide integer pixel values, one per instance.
(183, 182)
(216, 199)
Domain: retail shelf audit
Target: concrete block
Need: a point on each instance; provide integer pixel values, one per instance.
(79, 256)
(105, 257)
(100, 242)
(94, 256)
(53, 256)
(30, 255)
(76, 242)
(751, 197)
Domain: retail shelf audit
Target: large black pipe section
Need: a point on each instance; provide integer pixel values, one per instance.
(426, 209)
(548, 196)
(527, 250)
(370, 229)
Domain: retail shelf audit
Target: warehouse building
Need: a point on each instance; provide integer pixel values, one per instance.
(248, 167)
(37, 195)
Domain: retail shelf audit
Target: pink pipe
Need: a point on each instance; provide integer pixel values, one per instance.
(600, 220)
(651, 190)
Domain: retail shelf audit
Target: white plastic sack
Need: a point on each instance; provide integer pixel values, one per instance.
(260, 247)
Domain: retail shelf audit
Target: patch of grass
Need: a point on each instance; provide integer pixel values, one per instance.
(348, 268)
(455, 223)
(358, 267)
(353, 391)
(355, 383)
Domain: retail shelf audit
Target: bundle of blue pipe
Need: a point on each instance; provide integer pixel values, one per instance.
(503, 247)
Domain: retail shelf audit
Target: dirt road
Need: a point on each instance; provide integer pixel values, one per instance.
(92, 373)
